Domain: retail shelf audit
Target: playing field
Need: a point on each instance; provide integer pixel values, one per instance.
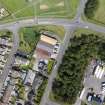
(41, 8)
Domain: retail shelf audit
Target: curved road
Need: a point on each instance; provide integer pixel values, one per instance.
(69, 26)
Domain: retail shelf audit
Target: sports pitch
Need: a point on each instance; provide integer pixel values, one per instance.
(40, 8)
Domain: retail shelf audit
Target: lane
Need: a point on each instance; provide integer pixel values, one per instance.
(63, 47)
(93, 26)
(63, 22)
(80, 10)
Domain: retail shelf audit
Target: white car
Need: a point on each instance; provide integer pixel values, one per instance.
(55, 50)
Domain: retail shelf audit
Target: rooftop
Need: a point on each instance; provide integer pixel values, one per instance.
(48, 39)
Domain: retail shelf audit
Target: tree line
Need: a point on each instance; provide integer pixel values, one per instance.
(90, 8)
(80, 52)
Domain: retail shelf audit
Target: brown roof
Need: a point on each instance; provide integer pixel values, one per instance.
(42, 54)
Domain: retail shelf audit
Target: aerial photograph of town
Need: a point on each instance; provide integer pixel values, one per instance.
(52, 52)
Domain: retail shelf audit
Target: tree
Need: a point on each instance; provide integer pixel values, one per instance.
(90, 8)
(82, 49)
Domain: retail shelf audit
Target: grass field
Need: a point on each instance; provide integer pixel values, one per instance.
(100, 14)
(99, 17)
(29, 38)
(80, 31)
(41, 8)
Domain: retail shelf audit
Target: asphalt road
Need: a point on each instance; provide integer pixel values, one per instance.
(70, 26)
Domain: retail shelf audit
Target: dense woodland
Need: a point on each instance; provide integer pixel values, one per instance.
(90, 8)
(80, 52)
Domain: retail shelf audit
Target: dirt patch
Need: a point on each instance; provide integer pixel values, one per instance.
(43, 7)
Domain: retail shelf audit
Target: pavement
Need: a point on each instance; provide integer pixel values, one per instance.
(63, 47)
(69, 25)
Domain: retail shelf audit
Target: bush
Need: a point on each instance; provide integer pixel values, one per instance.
(50, 65)
(90, 8)
(83, 103)
(40, 91)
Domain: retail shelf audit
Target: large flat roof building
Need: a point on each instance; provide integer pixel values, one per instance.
(48, 39)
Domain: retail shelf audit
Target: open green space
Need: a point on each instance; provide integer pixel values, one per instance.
(95, 10)
(82, 49)
(28, 39)
(42, 8)
(58, 8)
(29, 36)
(80, 31)
(19, 8)
(100, 15)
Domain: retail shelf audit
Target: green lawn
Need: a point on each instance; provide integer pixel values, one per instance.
(100, 14)
(58, 8)
(28, 39)
(41, 8)
(99, 17)
(14, 5)
(80, 31)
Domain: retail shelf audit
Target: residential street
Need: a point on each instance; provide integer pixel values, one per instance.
(10, 59)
